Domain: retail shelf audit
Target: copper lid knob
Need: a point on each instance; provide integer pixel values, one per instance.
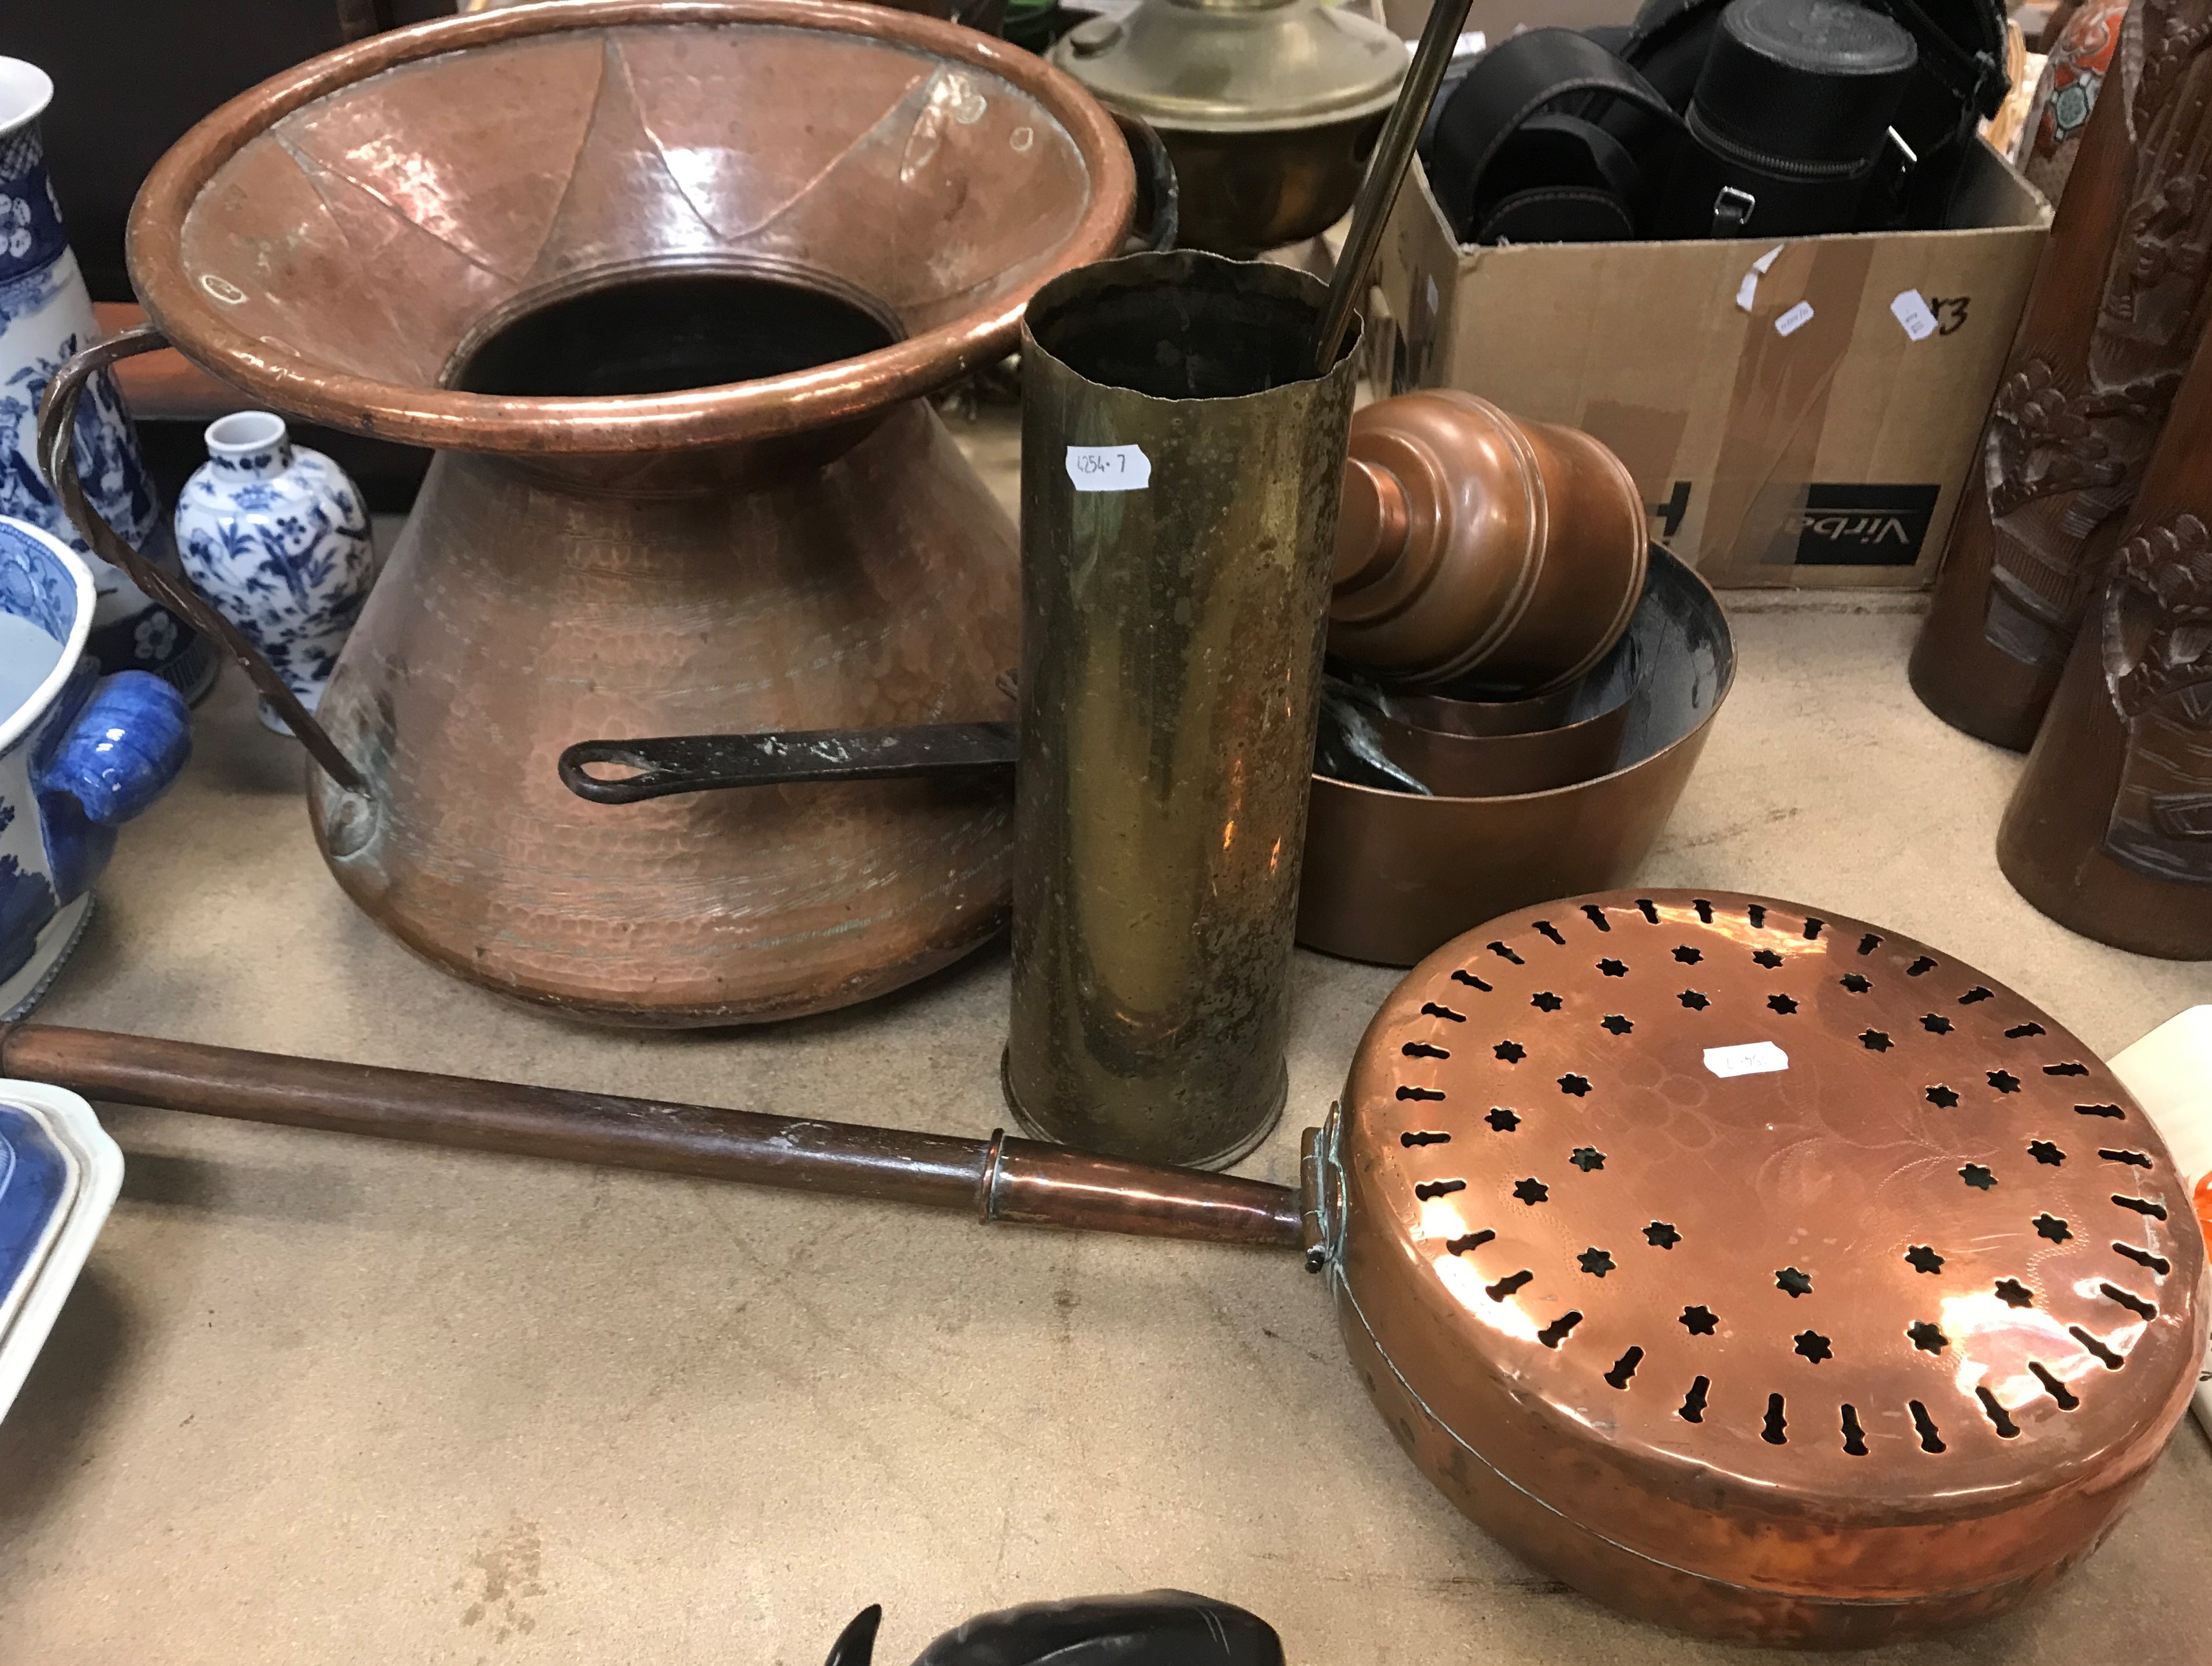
(1371, 527)
(1472, 543)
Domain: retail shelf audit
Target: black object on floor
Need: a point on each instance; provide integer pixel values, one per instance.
(1155, 1628)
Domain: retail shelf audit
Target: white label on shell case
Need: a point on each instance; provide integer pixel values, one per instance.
(1794, 319)
(1109, 468)
(1911, 311)
(1750, 1058)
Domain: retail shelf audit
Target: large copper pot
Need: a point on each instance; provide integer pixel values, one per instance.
(663, 283)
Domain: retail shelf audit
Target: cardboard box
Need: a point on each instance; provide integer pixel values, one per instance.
(1786, 426)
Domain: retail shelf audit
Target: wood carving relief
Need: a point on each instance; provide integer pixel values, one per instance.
(2158, 669)
(2070, 431)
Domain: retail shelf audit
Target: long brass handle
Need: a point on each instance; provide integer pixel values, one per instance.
(57, 456)
(999, 1179)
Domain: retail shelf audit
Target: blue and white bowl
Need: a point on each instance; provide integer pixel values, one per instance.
(80, 754)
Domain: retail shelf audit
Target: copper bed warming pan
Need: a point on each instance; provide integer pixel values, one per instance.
(1391, 875)
(1755, 1271)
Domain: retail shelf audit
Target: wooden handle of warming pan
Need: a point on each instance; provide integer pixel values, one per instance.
(1000, 1179)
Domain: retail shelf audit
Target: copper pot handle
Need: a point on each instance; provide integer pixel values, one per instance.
(1159, 198)
(57, 456)
(667, 765)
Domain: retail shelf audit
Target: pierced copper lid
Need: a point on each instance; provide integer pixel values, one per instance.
(1765, 1272)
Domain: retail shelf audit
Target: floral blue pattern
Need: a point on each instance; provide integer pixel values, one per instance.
(95, 751)
(276, 537)
(45, 315)
(35, 586)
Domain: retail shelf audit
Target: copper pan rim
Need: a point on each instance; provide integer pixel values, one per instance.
(1840, 1594)
(1643, 761)
(697, 418)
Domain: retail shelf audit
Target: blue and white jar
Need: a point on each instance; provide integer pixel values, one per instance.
(275, 535)
(80, 754)
(45, 315)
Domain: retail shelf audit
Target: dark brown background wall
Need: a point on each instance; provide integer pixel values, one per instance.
(130, 75)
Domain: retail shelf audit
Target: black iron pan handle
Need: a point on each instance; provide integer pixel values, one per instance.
(1158, 217)
(57, 456)
(660, 767)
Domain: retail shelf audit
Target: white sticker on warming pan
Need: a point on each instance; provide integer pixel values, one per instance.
(1109, 468)
(1751, 1059)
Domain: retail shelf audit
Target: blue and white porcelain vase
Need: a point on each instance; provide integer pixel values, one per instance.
(45, 315)
(80, 754)
(275, 535)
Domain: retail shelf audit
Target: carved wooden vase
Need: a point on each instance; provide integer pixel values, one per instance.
(2110, 829)
(2114, 315)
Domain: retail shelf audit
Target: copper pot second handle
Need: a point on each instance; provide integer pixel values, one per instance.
(57, 456)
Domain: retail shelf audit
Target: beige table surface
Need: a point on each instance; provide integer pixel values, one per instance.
(322, 1400)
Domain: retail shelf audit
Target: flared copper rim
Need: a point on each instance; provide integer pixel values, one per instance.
(700, 416)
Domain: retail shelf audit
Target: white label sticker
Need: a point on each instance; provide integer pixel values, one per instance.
(1794, 319)
(1910, 310)
(1751, 1059)
(1109, 468)
(1747, 291)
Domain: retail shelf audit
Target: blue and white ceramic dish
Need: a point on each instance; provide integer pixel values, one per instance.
(80, 754)
(38, 1180)
(51, 1122)
(45, 315)
(275, 535)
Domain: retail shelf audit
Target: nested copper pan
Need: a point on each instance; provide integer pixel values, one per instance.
(1874, 1338)
(1390, 875)
(1457, 764)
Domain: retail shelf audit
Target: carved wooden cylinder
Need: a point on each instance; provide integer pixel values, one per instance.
(2116, 311)
(2110, 829)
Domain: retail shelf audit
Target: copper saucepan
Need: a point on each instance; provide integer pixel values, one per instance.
(1391, 874)
(1756, 1271)
(1477, 749)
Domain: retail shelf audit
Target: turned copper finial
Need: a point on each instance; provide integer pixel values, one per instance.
(1474, 544)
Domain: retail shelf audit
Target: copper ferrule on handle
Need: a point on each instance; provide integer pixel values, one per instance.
(57, 456)
(1010, 1180)
(1035, 1184)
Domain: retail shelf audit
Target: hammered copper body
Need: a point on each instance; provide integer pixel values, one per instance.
(2109, 830)
(1474, 543)
(2118, 303)
(1873, 1341)
(1390, 875)
(802, 548)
